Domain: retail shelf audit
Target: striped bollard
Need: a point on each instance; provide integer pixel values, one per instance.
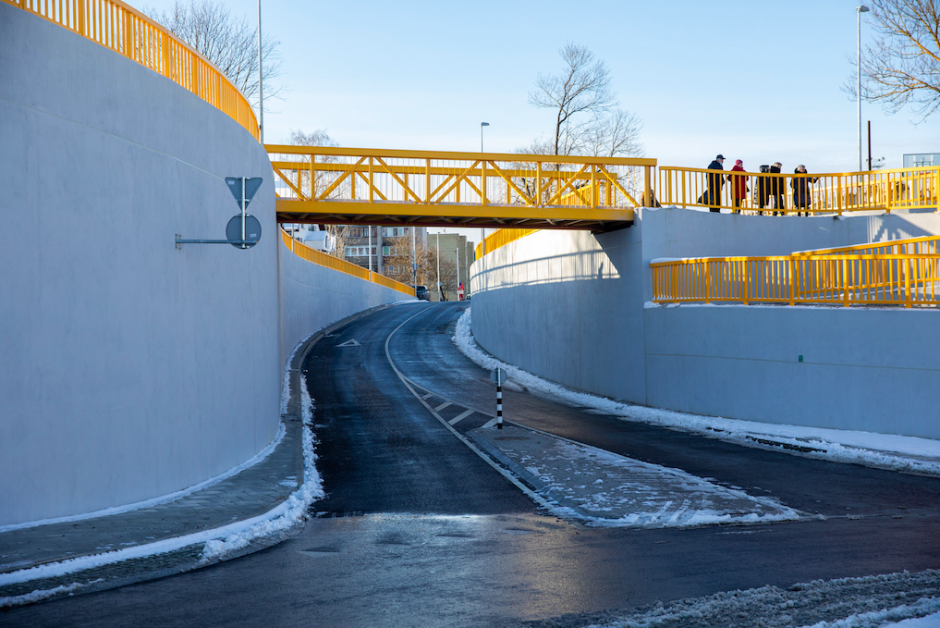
(498, 377)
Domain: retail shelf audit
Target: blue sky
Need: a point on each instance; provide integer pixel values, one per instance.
(757, 81)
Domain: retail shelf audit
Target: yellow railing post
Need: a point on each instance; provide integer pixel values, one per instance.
(646, 186)
(427, 182)
(792, 269)
(594, 193)
(746, 282)
(483, 182)
(675, 282)
(907, 281)
(538, 183)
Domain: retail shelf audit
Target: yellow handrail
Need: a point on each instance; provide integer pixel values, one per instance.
(132, 34)
(335, 263)
(448, 178)
(801, 278)
(500, 238)
(750, 192)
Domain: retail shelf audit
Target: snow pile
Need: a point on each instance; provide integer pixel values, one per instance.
(607, 490)
(883, 451)
(276, 524)
(869, 602)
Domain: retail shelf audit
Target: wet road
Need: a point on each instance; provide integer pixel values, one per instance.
(416, 529)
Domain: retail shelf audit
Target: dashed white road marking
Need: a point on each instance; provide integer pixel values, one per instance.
(350, 343)
(490, 423)
(442, 406)
(460, 417)
(427, 396)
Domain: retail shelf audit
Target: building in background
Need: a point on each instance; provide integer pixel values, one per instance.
(391, 249)
(916, 160)
(453, 248)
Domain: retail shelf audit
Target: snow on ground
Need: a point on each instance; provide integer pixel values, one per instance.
(884, 451)
(900, 600)
(218, 544)
(604, 489)
(162, 499)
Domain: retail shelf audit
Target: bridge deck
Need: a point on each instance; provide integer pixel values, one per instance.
(348, 212)
(333, 185)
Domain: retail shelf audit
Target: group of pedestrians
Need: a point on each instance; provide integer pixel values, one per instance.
(770, 192)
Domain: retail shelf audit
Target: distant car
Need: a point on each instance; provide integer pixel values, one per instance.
(422, 293)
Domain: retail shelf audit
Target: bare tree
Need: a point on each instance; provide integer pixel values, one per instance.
(321, 179)
(613, 135)
(229, 43)
(583, 86)
(398, 262)
(903, 66)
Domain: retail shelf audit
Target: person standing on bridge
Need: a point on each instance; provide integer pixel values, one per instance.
(778, 189)
(738, 186)
(802, 197)
(715, 182)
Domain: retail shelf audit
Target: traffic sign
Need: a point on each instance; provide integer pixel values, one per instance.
(233, 231)
(498, 376)
(251, 188)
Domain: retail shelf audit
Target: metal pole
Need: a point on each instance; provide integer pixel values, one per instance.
(369, 227)
(439, 299)
(457, 255)
(869, 144)
(244, 246)
(858, 84)
(260, 85)
(414, 260)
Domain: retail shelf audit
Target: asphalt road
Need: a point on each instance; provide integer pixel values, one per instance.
(417, 530)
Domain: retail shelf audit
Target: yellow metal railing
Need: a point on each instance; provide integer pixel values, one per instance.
(130, 33)
(500, 238)
(335, 263)
(458, 179)
(863, 275)
(749, 192)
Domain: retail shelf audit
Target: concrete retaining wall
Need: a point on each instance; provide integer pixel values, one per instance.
(129, 369)
(569, 306)
(313, 297)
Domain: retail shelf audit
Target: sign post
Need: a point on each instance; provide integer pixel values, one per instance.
(498, 377)
(242, 231)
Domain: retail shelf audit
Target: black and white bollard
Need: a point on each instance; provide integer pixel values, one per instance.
(499, 407)
(497, 377)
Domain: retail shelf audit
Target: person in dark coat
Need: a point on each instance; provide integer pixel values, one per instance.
(778, 186)
(763, 190)
(802, 198)
(715, 181)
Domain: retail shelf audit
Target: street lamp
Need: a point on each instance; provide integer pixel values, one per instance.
(858, 86)
(260, 83)
(482, 229)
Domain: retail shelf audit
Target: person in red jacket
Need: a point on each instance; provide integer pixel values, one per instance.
(738, 185)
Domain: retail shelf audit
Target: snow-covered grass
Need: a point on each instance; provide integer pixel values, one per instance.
(885, 451)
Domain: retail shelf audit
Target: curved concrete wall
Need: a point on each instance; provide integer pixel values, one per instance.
(572, 307)
(129, 368)
(314, 297)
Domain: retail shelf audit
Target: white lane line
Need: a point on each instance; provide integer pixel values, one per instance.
(490, 423)
(460, 417)
(428, 396)
(442, 406)
(541, 501)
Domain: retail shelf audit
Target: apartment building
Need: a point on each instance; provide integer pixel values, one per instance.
(390, 246)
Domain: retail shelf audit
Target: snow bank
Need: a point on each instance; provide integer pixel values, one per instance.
(884, 451)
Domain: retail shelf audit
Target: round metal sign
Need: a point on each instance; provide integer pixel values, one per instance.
(233, 230)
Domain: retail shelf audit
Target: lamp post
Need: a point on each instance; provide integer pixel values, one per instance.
(439, 299)
(260, 86)
(858, 86)
(482, 229)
